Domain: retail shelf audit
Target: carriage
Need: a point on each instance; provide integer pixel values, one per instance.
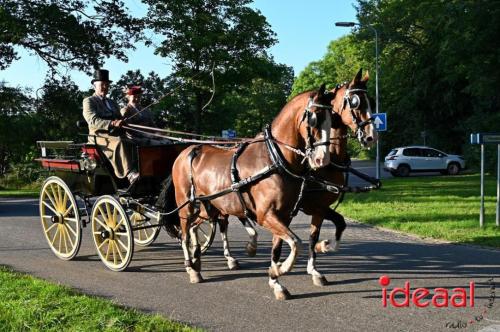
(84, 191)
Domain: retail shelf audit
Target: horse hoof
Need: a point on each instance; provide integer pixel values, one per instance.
(233, 264)
(282, 295)
(322, 247)
(251, 250)
(319, 281)
(195, 278)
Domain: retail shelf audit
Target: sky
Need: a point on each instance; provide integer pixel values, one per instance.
(303, 30)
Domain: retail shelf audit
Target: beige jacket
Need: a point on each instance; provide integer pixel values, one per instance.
(98, 115)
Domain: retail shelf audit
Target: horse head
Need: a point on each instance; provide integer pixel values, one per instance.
(352, 104)
(315, 126)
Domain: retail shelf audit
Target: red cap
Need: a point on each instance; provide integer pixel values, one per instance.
(134, 90)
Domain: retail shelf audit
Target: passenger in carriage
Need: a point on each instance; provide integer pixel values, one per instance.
(133, 111)
(104, 120)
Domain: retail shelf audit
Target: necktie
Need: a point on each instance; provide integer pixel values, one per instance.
(106, 103)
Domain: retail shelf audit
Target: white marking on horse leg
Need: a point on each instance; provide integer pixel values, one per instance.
(252, 233)
(185, 249)
(290, 260)
(251, 247)
(327, 246)
(232, 263)
(274, 270)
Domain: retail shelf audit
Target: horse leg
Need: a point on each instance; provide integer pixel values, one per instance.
(280, 233)
(318, 278)
(340, 225)
(232, 263)
(280, 292)
(251, 247)
(195, 248)
(194, 276)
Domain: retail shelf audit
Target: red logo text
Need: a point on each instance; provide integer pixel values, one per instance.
(440, 297)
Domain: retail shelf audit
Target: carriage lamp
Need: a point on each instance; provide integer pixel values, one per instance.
(88, 163)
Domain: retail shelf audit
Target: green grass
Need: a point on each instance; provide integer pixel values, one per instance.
(19, 192)
(31, 304)
(440, 207)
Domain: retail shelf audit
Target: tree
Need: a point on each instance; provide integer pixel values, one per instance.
(16, 108)
(75, 33)
(440, 70)
(58, 109)
(249, 110)
(342, 60)
(225, 36)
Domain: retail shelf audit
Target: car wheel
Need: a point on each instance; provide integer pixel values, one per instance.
(453, 169)
(403, 170)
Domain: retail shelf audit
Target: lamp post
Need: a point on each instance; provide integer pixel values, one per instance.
(350, 25)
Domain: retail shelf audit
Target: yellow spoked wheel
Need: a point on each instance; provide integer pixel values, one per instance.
(112, 233)
(60, 218)
(206, 233)
(144, 237)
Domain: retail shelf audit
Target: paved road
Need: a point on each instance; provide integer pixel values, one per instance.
(241, 300)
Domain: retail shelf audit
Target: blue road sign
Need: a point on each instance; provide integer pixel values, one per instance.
(229, 133)
(380, 121)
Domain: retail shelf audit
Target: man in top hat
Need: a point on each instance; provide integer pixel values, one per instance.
(104, 119)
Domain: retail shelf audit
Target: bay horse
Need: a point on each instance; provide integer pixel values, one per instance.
(351, 109)
(271, 169)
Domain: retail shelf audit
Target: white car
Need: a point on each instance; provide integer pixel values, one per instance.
(405, 160)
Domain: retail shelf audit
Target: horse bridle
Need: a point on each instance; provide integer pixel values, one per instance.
(312, 122)
(354, 102)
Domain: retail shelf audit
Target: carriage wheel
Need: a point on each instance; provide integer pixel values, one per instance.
(143, 237)
(112, 233)
(60, 218)
(206, 233)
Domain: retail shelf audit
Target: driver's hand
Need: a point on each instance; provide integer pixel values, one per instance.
(117, 123)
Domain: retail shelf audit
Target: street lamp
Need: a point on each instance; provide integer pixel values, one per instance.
(349, 25)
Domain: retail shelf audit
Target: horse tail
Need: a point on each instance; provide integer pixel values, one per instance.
(166, 203)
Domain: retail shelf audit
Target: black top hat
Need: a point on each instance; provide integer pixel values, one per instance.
(101, 75)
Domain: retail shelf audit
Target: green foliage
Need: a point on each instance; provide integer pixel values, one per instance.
(439, 69)
(17, 125)
(225, 36)
(444, 207)
(58, 109)
(30, 304)
(69, 32)
(341, 62)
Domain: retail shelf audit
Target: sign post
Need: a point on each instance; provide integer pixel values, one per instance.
(488, 138)
(380, 122)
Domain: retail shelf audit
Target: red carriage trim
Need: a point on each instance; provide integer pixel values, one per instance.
(71, 165)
